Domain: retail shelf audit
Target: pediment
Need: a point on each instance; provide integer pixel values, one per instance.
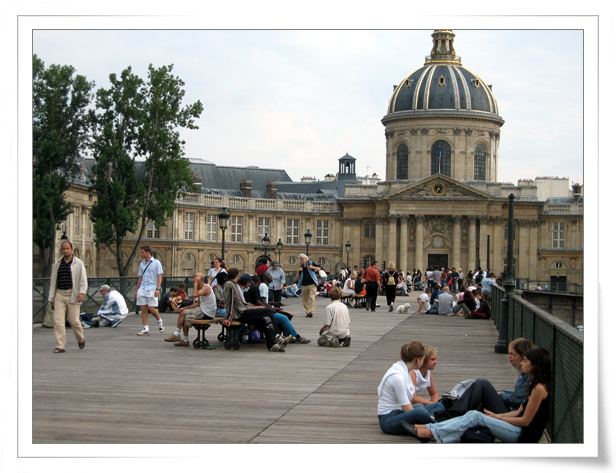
(438, 187)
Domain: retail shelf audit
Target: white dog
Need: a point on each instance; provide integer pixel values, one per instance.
(403, 308)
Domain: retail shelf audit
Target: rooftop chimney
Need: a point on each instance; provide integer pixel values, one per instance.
(271, 190)
(246, 187)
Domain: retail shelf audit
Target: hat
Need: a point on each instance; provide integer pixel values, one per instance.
(105, 287)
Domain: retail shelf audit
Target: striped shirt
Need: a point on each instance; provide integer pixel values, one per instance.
(65, 279)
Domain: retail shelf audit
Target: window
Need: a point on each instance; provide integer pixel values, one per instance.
(480, 163)
(402, 163)
(236, 228)
(77, 221)
(558, 235)
(293, 260)
(189, 225)
(211, 227)
(441, 158)
(151, 231)
(441, 81)
(323, 263)
(263, 227)
(322, 232)
(89, 225)
(293, 231)
(370, 230)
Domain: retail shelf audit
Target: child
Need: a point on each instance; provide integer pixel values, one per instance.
(336, 329)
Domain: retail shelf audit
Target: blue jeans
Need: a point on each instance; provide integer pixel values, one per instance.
(451, 430)
(282, 321)
(434, 408)
(392, 423)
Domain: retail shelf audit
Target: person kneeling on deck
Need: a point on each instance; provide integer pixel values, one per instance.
(114, 310)
(203, 307)
(336, 330)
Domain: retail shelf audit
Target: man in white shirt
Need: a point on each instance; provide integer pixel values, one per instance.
(336, 330)
(423, 303)
(114, 309)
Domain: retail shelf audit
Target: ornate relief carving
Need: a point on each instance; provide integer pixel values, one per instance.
(424, 131)
(457, 131)
(437, 225)
(468, 131)
(440, 131)
(413, 131)
(436, 242)
(480, 133)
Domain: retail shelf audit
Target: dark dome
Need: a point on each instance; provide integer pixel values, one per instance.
(443, 86)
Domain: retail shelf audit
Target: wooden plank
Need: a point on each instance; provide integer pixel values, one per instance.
(127, 389)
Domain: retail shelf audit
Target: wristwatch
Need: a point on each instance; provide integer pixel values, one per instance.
(158, 289)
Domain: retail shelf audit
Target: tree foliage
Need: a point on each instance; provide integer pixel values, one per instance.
(137, 120)
(59, 127)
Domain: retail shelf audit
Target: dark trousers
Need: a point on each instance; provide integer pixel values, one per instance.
(371, 294)
(390, 293)
(277, 296)
(392, 423)
(480, 395)
(262, 320)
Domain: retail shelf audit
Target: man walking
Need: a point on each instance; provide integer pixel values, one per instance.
(308, 280)
(68, 286)
(148, 288)
(373, 284)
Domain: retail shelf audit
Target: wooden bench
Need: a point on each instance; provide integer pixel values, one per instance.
(229, 338)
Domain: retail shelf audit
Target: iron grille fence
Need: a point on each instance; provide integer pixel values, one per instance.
(566, 347)
(93, 299)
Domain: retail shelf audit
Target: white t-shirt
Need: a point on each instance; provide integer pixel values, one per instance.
(264, 291)
(212, 273)
(117, 298)
(339, 320)
(425, 298)
(397, 391)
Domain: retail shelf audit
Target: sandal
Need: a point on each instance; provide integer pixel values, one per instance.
(412, 431)
(58, 350)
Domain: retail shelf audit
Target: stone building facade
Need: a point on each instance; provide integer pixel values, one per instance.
(440, 203)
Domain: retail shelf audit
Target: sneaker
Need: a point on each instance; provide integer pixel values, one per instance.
(277, 347)
(309, 314)
(282, 340)
(115, 324)
(300, 339)
(85, 326)
(161, 329)
(346, 342)
(182, 343)
(173, 338)
(143, 332)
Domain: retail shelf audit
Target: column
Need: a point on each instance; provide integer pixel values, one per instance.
(84, 233)
(379, 237)
(497, 245)
(523, 270)
(355, 254)
(392, 240)
(483, 242)
(419, 235)
(404, 243)
(472, 255)
(457, 236)
(532, 250)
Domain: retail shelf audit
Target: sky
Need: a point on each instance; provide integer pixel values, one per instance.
(300, 99)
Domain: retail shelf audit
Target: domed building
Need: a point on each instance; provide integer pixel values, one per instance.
(444, 119)
(441, 203)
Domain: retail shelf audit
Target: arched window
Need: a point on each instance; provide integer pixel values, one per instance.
(480, 163)
(402, 162)
(441, 158)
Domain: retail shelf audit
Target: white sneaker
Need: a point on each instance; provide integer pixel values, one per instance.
(161, 329)
(143, 332)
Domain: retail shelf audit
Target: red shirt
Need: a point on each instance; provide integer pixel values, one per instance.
(372, 274)
(259, 270)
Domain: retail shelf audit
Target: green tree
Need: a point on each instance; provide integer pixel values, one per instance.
(138, 120)
(59, 133)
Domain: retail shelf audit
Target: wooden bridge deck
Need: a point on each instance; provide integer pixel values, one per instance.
(126, 389)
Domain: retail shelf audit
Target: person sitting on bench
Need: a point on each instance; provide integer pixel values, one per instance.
(203, 307)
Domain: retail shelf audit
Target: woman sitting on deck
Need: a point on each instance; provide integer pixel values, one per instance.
(524, 425)
(396, 391)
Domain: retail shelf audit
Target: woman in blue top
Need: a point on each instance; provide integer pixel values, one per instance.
(524, 425)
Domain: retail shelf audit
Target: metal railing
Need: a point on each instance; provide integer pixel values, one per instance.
(531, 285)
(516, 317)
(93, 299)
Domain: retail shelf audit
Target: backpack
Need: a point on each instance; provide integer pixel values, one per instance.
(391, 281)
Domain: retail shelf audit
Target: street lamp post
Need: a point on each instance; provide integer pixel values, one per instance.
(347, 245)
(223, 219)
(265, 240)
(307, 238)
(279, 246)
